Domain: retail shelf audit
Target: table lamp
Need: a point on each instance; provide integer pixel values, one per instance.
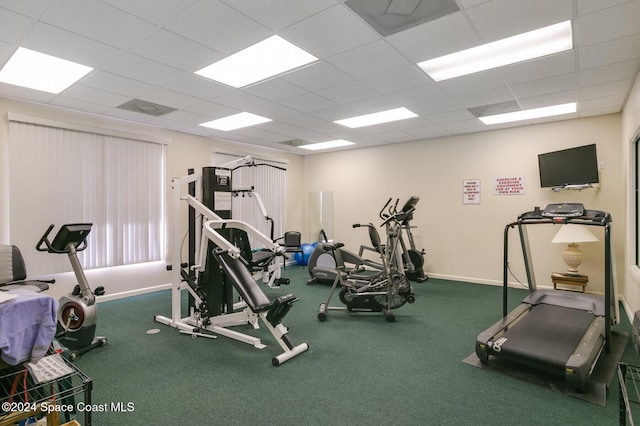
(571, 234)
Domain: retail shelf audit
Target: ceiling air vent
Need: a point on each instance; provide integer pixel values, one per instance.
(391, 16)
(146, 107)
(295, 142)
(493, 109)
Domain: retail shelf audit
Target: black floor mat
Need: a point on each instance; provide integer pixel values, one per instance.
(596, 389)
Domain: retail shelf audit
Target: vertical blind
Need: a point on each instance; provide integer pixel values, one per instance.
(63, 176)
(268, 178)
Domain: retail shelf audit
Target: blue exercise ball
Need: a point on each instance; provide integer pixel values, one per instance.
(303, 258)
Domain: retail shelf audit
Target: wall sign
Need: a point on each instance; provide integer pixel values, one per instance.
(471, 191)
(509, 186)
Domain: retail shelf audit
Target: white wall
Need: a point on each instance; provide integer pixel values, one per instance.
(630, 130)
(462, 241)
(184, 151)
(465, 241)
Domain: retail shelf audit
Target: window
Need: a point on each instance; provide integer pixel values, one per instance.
(268, 179)
(61, 175)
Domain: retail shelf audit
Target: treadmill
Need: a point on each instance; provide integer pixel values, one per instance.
(556, 332)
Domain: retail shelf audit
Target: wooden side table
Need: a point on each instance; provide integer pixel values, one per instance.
(573, 282)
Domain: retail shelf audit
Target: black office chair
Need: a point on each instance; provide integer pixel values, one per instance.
(291, 242)
(13, 273)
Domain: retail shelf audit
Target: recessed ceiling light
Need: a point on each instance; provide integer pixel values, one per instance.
(236, 121)
(529, 114)
(326, 145)
(533, 44)
(38, 71)
(265, 59)
(377, 118)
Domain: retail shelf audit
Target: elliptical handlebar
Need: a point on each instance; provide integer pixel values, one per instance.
(383, 215)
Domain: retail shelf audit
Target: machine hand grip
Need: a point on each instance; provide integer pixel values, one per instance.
(44, 240)
(332, 247)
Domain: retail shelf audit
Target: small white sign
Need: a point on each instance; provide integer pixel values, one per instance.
(509, 186)
(471, 191)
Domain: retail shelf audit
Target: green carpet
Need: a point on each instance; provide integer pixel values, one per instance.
(360, 369)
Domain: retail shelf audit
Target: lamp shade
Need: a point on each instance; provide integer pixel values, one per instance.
(574, 233)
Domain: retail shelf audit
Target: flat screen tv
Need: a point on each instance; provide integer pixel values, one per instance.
(569, 167)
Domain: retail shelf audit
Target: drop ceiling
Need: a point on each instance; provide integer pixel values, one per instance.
(145, 52)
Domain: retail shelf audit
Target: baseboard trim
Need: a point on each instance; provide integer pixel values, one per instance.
(129, 293)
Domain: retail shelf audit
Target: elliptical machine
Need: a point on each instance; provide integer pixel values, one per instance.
(77, 311)
(412, 257)
(385, 291)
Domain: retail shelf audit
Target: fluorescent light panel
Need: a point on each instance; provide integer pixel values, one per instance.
(529, 114)
(265, 59)
(533, 44)
(236, 121)
(38, 71)
(377, 118)
(326, 145)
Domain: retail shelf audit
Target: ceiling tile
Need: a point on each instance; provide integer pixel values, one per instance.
(330, 32)
(157, 12)
(317, 76)
(619, 71)
(194, 85)
(348, 92)
(77, 104)
(67, 45)
(98, 21)
(397, 79)
(484, 80)
(279, 14)
(535, 69)
(142, 69)
(620, 87)
(94, 96)
(422, 42)
(610, 52)
(170, 98)
(372, 58)
(13, 26)
(178, 52)
(116, 84)
(219, 27)
(609, 24)
(589, 6)
(276, 89)
(498, 19)
(545, 86)
(308, 102)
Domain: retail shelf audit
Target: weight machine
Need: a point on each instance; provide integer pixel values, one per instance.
(221, 268)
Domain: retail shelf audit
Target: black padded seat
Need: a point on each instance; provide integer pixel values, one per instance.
(13, 273)
(243, 281)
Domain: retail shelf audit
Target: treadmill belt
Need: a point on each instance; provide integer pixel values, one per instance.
(547, 336)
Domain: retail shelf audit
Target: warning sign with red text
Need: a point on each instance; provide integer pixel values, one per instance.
(509, 186)
(471, 191)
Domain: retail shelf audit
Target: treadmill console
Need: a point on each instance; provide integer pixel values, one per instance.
(564, 210)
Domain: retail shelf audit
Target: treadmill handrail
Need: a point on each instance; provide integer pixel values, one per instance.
(590, 217)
